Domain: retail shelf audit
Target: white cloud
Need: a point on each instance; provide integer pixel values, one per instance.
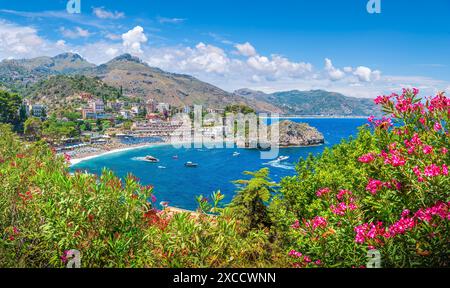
(61, 43)
(112, 51)
(101, 13)
(333, 73)
(112, 36)
(164, 20)
(75, 33)
(245, 49)
(365, 74)
(23, 41)
(133, 39)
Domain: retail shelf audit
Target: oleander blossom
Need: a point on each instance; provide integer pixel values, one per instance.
(369, 231)
(322, 192)
(317, 222)
(367, 158)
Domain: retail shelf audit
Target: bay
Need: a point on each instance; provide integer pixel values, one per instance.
(179, 185)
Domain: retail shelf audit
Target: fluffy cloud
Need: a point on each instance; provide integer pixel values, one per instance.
(333, 73)
(277, 67)
(22, 41)
(365, 74)
(245, 49)
(75, 33)
(133, 39)
(101, 13)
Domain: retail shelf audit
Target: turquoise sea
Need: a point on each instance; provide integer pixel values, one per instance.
(179, 185)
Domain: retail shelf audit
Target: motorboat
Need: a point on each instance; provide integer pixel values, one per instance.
(175, 157)
(282, 158)
(151, 159)
(161, 167)
(190, 164)
(236, 154)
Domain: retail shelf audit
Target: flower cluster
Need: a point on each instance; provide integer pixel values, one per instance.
(367, 158)
(430, 171)
(374, 186)
(322, 192)
(376, 231)
(302, 260)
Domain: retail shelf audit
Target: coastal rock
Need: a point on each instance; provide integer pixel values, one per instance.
(298, 134)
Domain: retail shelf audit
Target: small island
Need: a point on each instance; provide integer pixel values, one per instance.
(298, 134)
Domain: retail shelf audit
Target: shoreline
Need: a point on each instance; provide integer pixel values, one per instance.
(76, 160)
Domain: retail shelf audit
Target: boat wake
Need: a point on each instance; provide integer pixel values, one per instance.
(276, 164)
(138, 159)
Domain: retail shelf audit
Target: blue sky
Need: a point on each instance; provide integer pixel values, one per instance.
(265, 45)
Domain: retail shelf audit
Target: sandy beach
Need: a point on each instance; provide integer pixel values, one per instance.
(106, 151)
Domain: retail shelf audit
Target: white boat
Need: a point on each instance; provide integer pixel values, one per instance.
(190, 164)
(151, 159)
(236, 154)
(161, 167)
(282, 158)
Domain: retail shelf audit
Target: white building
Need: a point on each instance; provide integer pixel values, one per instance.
(97, 106)
(161, 107)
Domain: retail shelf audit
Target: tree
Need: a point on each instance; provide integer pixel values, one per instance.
(33, 128)
(10, 104)
(250, 202)
(99, 125)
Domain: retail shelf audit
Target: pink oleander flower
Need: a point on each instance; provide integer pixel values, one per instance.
(296, 225)
(64, 256)
(383, 123)
(317, 222)
(444, 170)
(383, 99)
(432, 170)
(374, 186)
(153, 198)
(367, 158)
(444, 151)
(342, 193)
(427, 149)
(322, 192)
(437, 127)
(422, 121)
(394, 158)
(295, 254)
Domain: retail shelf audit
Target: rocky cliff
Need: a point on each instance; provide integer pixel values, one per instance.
(298, 134)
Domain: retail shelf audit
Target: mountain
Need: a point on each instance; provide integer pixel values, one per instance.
(40, 78)
(23, 72)
(126, 72)
(313, 102)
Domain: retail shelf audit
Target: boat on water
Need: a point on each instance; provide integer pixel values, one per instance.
(190, 164)
(161, 167)
(175, 157)
(236, 154)
(282, 158)
(151, 159)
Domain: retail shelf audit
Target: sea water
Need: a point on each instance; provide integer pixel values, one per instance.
(217, 168)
